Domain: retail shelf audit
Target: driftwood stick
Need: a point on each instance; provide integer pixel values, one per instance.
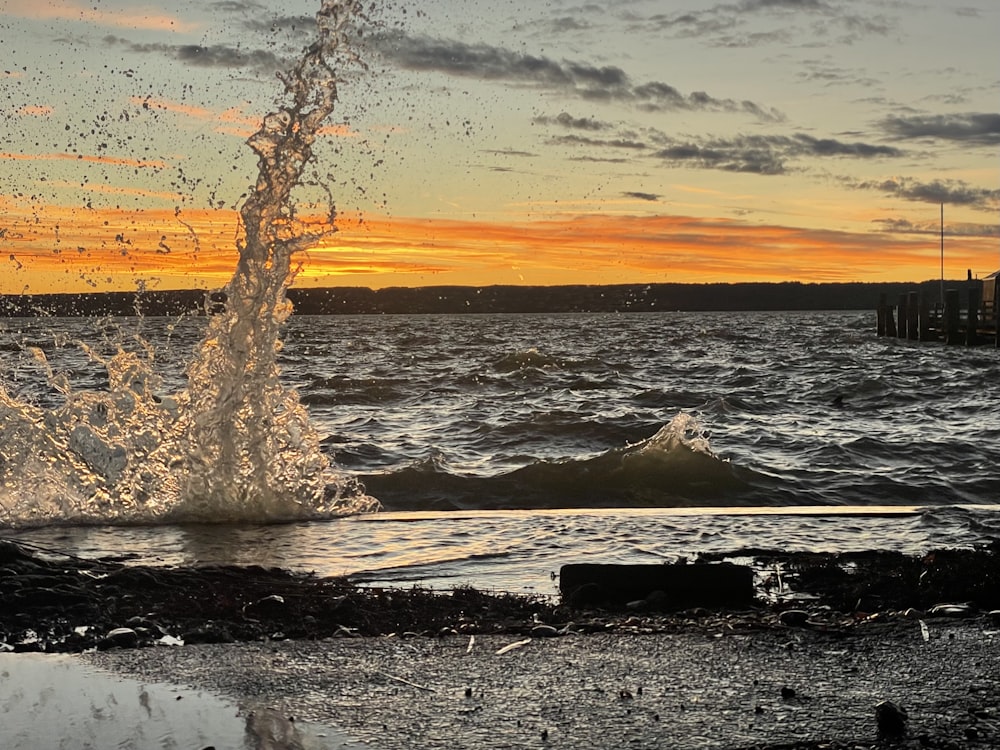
(407, 682)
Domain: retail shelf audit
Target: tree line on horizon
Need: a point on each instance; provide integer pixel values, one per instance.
(742, 296)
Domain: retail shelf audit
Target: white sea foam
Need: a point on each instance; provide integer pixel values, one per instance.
(235, 443)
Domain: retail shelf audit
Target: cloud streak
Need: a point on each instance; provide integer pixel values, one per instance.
(594, 83)
(112, 160)
(755, 154)
(766, 154)
(952, 192)
(737, 25)
(971, 128)
(205, 56)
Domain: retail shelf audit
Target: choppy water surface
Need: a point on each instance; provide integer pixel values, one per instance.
(522, 551)
(558, 438)
(497, 445)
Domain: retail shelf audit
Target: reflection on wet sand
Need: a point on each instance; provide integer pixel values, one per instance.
(57, 702)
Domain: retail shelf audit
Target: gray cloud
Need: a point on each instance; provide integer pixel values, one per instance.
(765, 154)
(952, 192)
(237, 6)
(509, 152)
(214, 56)
(566, 23)
(979, 129)
(300, 25)
(472, 60)
(600, 159)
(576, 140)
(729, 157)
(604, 83)
(958, 229)
(829, 75)
(651, 197)
(728, 24)
(566, 120)
(753, 6)
(807, 144)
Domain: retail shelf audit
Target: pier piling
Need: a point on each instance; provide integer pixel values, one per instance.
(927, 332)
(901, 316)
(952, 317)
(912, 316)
(968, 314)
(972, 318)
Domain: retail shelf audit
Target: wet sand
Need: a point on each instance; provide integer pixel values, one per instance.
(705, 688)
(827, 638)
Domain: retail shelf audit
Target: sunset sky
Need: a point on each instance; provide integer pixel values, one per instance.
(511, 141)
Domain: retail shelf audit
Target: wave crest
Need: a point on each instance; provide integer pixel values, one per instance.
(674, 468)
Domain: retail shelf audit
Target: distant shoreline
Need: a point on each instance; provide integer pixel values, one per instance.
(751, 296)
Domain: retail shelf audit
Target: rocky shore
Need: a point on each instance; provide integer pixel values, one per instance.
(53, 602)
(826, 640)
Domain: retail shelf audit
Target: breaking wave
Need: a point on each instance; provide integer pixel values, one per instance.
(674, 468)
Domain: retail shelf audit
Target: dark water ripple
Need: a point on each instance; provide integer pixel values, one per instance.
(654, 409)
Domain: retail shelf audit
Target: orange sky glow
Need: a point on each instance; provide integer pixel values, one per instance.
(52, 249)
(73, 11)
(809, 142)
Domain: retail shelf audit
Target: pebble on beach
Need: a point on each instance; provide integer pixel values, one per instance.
(891, 719)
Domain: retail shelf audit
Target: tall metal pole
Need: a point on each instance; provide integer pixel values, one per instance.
(942, 255)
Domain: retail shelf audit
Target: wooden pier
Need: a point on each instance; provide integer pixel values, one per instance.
(969, 318)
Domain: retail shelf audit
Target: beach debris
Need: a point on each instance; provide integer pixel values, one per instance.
(120, 637)
(146, 628)
(794, 617)
(891, 719)
(545, 631)
(404, 681)
(952, 610)
(472, 644)
(787, 693)
(924, 632)
(209, 632)
(513, 646)
(268, 605)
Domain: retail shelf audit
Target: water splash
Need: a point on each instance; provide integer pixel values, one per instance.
(235, 444)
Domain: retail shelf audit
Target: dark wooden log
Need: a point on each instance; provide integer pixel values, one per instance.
(901, 318)
(681, 586)
(880, 315)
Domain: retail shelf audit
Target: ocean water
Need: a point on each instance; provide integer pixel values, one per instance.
(473, 449)
(502, 446)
